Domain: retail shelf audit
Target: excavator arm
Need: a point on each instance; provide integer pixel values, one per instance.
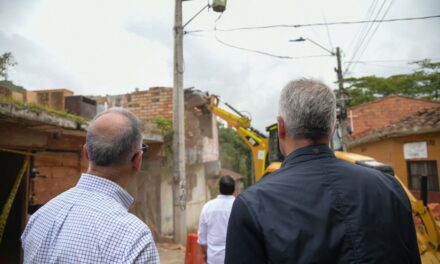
(256, 141)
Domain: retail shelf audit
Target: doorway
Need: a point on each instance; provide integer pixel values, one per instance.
(10, 246)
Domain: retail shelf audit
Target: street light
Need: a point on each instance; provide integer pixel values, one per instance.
(179, 177)
(301, 39)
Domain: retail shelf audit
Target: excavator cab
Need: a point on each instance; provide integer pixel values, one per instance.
(275, 155)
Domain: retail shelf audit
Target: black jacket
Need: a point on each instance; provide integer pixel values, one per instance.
(319, 209)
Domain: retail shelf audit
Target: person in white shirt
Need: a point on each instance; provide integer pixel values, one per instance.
(213, 222)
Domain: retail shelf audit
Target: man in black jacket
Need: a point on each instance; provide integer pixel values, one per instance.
(317, 208)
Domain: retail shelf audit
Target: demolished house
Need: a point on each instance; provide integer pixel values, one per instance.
(53, 140)
(153, 188)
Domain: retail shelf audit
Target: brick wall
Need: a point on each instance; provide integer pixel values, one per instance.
(155, 102)
(54, 173)
(376, 114)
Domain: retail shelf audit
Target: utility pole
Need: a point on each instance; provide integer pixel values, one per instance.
(179, 174)
(342, 102)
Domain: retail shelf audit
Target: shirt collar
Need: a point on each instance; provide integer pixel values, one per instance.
(308, 153)
(107, 187)
(222, 196)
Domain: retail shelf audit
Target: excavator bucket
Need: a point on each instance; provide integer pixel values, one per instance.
(195, 98)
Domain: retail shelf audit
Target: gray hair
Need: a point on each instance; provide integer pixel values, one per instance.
(308, 108)
(116, 149)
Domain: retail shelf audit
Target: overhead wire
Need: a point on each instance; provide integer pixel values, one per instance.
(374, 32)
(317, 24)
(195, 33)
(352, 60)
(407, 60)
(362, 28)
(361, 41)
(258, 51)
(267, 53)
(386, 66)
(328, 33)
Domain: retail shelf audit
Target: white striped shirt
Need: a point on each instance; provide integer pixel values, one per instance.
(89, 223)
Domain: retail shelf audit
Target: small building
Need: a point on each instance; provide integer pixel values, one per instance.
(407, 137)
(54, 141)
(53, 98)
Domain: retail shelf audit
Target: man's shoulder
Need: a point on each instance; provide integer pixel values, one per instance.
(209, 205)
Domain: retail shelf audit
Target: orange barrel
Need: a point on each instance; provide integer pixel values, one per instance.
(193, 254)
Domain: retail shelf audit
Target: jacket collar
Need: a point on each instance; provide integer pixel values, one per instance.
(308, 153)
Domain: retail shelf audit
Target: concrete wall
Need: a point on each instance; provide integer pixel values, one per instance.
(146, 189)
(154, 186)
(166, 204)
(196, 195)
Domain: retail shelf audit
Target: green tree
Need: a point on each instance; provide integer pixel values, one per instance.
(423, 83)
(234, 153)
(12, 86)
(6, 61)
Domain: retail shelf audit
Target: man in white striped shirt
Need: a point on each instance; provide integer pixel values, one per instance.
(213, 222)
(90, 223)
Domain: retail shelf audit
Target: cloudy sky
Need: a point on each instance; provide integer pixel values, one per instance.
(112, 47)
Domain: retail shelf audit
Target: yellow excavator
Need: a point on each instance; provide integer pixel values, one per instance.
(267, 157)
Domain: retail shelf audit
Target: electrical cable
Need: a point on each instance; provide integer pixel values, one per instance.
(386, 66)
(374, 32)
(362, 40)
(266, 53)
(328, 33)
(368, 16)
(409, 61)
(317, 24)
(251, 50)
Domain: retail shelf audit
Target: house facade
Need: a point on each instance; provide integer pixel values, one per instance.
(405, 133)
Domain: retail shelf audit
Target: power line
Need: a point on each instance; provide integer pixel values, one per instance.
(409, 61)
(368, 16)
(317, 24)
(386, 66)
(328, 33)
(267, 53)
(259, 51)
(374, 32)
(364, 32)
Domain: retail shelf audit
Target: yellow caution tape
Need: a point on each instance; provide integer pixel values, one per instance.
(10, 201)
(18, 152)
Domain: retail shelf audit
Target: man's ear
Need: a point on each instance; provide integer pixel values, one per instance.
(282, 133)
(85, 152)
(137, 162)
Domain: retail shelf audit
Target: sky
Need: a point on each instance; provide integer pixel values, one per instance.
(112, 47)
